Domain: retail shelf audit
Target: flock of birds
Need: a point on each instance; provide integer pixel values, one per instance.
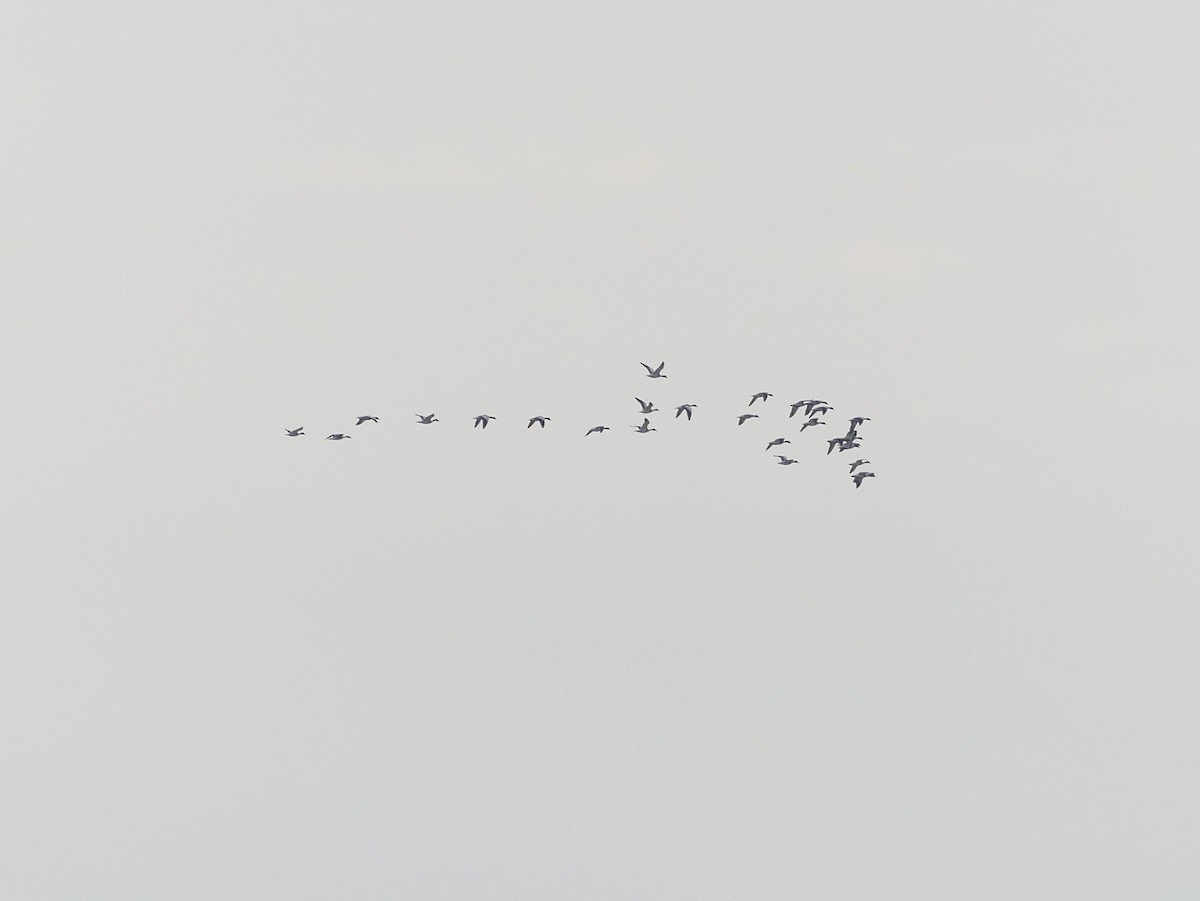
(812, 408)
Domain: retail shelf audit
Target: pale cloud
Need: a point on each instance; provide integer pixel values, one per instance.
(438, 169)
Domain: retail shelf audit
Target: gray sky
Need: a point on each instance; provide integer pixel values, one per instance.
(440, 663)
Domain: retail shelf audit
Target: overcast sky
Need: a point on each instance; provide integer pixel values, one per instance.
(447, 663)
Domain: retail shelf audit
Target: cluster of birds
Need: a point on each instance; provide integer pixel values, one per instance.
(813, 410)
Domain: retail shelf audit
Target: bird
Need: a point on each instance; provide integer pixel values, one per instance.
(540, 420)
(846, 444)
(785, 461)
(856, 464)
(363, 419)
(812, 420)
(337, 436)
(859, 476)
(831, 442)
(859, 420)
(655, 373)
(796, 406)
(685, 408)
(777, 442)
(809, 404)
(760, 395)
(600, 429)
(742, 419)
(426, 419)
(644, 427)
(295, 432)
(647, 406)
(819, 409)
(482, 420)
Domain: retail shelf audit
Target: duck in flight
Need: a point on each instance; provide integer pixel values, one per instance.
(482, 420)
(426, 419)
(337, 436)
(856, 464)
(295, 432)
(859, 476)
(597, 428)
(742, 419)
(685, 408)
(363, 419)
(644, 427)
(647, 406)
(540, 420)
(777, 442)
(759, 395)
(655, 373)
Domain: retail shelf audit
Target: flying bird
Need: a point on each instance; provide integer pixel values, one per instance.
(427, 419)
(812, 420)
(777, 442)
(859, 420)
(482, 420)
(644, 427)
(540, 420)
(336, 436)
(655, 373)
(856, 464)
(742, 419)
(846, 444)
(599, 428)
(859, 476)
(819, 410)
(647, 406)
(685, 408)
(785, 461)
(796, 406)
(363, 419)
(295, 432)
(760, 395)
(809, 404)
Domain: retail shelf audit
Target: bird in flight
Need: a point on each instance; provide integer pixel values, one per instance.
(856, 464)
(600, 429)
(808, 405)
(685, 408)
(363, 419)
(760, 395)
(655, 373)
(427, 419)
(859, 420)
(859, 476)
(540, 420)
(336, 436)
(777, 442)
(647, 406)
(785, 461)
(819, 410)
(644, 427)
(482, 420)
(796, 406)
(742, 419)
(812, 420)
(295, 432)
